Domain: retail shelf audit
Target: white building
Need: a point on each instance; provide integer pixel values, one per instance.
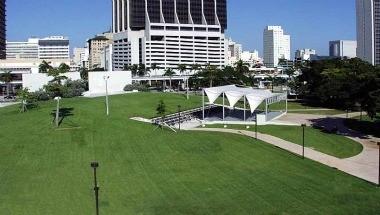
(276, 45)
(80, 56)
(22, 50)
(251, 58)
(169, 33)
(106, 60)
(368, 26)
(49, 48)
(54, 47)
(234, 52)
(343, 48)
(304, 54)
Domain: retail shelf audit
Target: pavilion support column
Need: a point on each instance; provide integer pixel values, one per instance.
(245, 118)
(266, 109)
(223, 108)
(203, 104)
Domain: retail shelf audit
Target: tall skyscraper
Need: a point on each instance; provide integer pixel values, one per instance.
(169, 32)
(368, 30)
(2, 29)
(276, 45)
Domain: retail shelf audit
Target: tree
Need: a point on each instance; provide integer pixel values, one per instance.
(242, 72)
(141, 70)
(181, 68)
(154, 67)
(210, 74)
(57, 73)
(83, 73)
(195, 68)
(161, 111)
(7, 78)
(134, 69)
(44, 67)
(169, 73)
(24, 96)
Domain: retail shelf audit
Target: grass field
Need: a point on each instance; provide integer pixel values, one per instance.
(44, 170)
(331, 144)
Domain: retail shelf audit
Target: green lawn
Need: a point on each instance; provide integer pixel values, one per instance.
(331, 144)
(147, 171)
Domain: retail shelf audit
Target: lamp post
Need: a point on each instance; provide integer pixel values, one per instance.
(107, 104)
(57, 111)
(95, 165)
(303, 140)
(378, 177)
(179, 117)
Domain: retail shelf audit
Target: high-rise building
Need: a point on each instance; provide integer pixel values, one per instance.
(22, 50)
(276, 45)
(169, 32)
(234, 52)
(2, 29)
(49, 48)
(96, 46)
(304, 54)
(54, 47)
(368, 30)
(343, 48)
(80, 56)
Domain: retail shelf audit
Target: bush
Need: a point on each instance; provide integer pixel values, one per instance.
(73, 88)
(40, 95)
(136, 86)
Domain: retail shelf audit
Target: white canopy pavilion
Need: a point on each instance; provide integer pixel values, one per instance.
(233, 94)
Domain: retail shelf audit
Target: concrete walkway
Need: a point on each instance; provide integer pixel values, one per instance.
(364, 165)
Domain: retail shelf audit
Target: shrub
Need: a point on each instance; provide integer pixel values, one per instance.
(136, 86)
(40, 95)
(73, 88)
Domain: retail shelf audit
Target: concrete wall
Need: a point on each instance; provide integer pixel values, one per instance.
(116, 82)
(36, 81)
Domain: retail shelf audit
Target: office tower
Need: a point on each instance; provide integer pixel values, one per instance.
(234, 52)
(54, 47)
(49, 48)
(343, 48)
(276, 45)
(96, 46)
(169, 32)
(80, 57)
(2, 30)
(368, 30)
(304, 54)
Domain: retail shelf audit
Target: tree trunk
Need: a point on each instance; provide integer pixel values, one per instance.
(170, 83)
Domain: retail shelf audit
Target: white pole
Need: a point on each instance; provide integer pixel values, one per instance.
(223, 107)
(266, 109)
(286, 103)
(57, 114)
(244, 109)
(107, 101)
(187, 87)
(203, 104)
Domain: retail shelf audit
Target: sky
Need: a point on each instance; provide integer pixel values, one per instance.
(311, 23)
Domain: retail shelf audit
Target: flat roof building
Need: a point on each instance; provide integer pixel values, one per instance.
(169, 32)
(343, 48)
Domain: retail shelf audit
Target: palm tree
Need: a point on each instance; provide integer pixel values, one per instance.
(141, 70)
(154, 67)
(181, 68)
(134, 69)
(210, 73)
(169, 72)
(242, 72)
(7, 78)
(195, 68)
(44, 67)
(57, 73)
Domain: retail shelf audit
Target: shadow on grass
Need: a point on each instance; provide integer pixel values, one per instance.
(63, 113)
(365, 126)
(332, 125)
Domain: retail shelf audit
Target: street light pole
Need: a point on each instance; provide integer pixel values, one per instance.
(107, 104)
(179, 117)
(378, 179)
(57, 111)
(95, 165)
(303, 140)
